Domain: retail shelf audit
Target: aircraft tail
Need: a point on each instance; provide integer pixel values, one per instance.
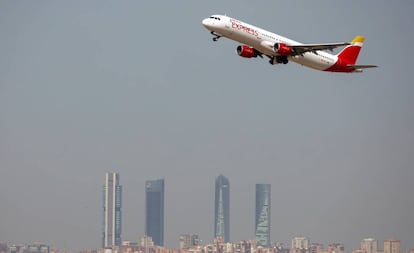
(349, 54)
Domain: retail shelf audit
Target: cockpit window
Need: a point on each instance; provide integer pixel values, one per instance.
(216, 18)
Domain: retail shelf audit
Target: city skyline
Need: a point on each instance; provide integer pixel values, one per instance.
(154, 191)
(222, 208)
(191, 243)
(112, 214)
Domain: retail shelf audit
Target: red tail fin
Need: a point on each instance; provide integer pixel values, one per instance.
(349, 54)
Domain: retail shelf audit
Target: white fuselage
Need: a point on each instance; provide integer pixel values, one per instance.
(263, 41)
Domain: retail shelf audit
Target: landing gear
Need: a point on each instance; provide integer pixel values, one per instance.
(278, 59)
(216, 36)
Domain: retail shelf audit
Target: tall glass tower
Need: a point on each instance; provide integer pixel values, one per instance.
(154, 212)
(262, 221)
(222, 209)
(112, 202)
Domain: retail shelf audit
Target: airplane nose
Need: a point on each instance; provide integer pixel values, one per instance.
(206, 22)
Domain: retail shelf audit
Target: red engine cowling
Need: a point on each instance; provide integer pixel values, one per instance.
(246, 51)
(282, 49)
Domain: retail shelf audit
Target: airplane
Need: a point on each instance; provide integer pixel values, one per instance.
(280, 50)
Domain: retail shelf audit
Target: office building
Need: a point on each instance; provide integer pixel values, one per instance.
(146, 242)
(188, 241)
(262, 218)
(300, 242)
(392, 246)
(369, 245)
(23, 248)
(112, 201)
(154, 210)
(222, 208)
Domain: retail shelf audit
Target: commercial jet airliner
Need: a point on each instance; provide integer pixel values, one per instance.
(259, 42)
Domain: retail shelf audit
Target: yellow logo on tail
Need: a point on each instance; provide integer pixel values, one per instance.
(359, 39)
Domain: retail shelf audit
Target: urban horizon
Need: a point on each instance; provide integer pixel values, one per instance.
(112, 200)
(155, 213)
(191, 243)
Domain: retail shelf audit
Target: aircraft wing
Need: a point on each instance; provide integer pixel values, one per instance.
(304, 48)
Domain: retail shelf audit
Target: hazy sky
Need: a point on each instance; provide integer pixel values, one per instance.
(140, 88)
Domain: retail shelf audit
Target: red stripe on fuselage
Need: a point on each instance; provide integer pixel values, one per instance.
(339, 66)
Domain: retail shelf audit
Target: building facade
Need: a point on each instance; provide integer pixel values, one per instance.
(392, 246)
(336, 248)
(112, 202)
(189, 240)
(262, 218)
(154, 210)
(31, 248)
(369, 245)
(300, 242)
(222, 208)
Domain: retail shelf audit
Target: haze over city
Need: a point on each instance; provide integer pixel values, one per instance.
(140, 88)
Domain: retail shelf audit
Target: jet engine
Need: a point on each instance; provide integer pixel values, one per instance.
(282, 49)
(246, 51)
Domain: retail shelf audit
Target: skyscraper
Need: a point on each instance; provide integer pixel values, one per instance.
(112, 199)
(222, 209)
(154, 212)
(262, 221)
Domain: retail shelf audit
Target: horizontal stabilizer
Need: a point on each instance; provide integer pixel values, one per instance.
(361, 66)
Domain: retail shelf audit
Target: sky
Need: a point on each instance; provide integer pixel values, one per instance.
(140, 88)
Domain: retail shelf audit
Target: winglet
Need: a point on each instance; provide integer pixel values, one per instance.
(358, 39)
